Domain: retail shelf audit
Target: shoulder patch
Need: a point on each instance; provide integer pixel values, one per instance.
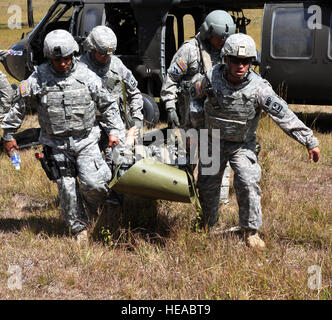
(133, 82)
(176, 69)
(276, 106)
(183, 66)
(23, 88)
(130, 80)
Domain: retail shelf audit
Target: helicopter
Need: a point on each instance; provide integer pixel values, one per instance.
(296, 42)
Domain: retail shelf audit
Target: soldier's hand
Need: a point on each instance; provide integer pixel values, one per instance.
(172, 118)
(314, 154)
(113, 141)
(9, 145)
(132, 134)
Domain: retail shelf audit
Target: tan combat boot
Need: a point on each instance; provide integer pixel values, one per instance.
(82, 237)
(254, 241)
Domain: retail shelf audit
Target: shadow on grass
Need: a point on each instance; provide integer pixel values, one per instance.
(135, 218)
(47, 225)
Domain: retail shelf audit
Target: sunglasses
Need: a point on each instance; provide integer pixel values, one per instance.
(243, 61)
(107, 53)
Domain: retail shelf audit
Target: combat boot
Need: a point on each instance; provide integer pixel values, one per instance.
(82, 237)
(250, 237)
(253, 240)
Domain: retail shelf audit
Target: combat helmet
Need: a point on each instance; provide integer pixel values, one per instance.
(59, 43)
(218, 23)
(101, 39)
(239, 45)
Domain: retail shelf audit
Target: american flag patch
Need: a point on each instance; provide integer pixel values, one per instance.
(198, 86)
(23, 88)
(182, 65)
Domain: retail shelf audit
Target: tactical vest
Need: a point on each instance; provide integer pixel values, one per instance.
(66, 106)
(205, 61)
(233, 111)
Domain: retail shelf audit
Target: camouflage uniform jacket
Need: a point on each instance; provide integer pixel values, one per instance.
(193, 58)
(6, 95)
(236, 109)
(114, 75)
(66, 104)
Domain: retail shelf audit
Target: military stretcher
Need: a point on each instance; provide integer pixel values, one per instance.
(147, 178)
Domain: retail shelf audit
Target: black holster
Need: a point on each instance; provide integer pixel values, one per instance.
(56, 169)
(49, 165)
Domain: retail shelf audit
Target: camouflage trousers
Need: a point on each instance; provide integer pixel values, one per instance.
(247, 174)
(225, 184)
(189, 122)
(6, 93)
(84, 178)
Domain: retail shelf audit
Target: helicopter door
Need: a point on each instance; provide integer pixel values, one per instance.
(296, 51)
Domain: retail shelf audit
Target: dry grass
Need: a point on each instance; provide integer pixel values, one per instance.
(157, 255)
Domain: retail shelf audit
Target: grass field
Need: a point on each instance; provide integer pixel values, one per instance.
(157, 254)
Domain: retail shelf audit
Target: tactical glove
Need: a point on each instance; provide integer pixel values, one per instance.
(172, 118)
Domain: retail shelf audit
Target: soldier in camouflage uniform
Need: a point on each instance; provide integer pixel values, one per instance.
(119, 80)
(235, 98)
(6, 91)
(192, 60)
(67, 93)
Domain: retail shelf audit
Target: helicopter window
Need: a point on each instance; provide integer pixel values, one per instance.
(291, 35)
(91, 20)
(67, 14)
(189, 27)
(172, 30)
(60, 18)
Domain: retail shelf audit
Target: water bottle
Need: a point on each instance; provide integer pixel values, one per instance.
(15, 158)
